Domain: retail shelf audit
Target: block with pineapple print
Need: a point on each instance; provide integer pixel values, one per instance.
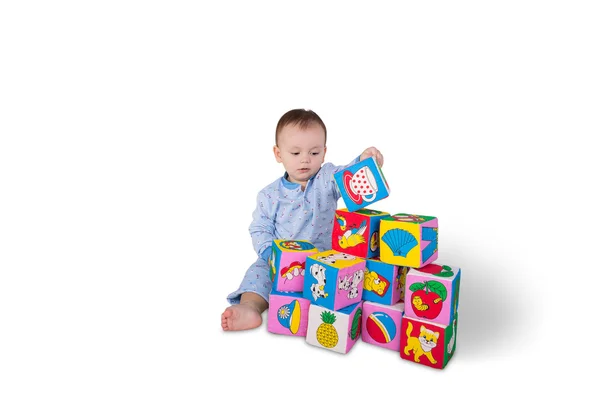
(432, 293)
(288, 313)
(357, 232)
(381, 324)
(334, 279)
(334, 330)
(287, 264)
(362, 184)
(427, 343)
(384, 283)
(408, 240)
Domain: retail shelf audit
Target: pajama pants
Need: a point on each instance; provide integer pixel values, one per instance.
(256, 281)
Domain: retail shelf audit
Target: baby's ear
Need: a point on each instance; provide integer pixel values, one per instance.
(277, 153)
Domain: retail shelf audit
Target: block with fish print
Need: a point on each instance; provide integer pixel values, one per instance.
(334, 279)
(334, 330)
(409, 240)
(362, 184)
(427, 343)
(287, 264)
(432, 293)
(384, 283)
(381, 324)
(288, 313)
(357, 232)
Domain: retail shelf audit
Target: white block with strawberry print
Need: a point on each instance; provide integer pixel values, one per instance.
(334, 330)
(432, 293)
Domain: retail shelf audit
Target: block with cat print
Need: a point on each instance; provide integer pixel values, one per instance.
(427, 343)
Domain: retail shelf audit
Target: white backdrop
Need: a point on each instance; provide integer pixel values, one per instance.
(135, 136)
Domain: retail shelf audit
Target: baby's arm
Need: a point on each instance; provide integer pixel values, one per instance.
(262, 227)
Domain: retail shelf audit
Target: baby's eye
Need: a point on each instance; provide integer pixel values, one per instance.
(314, 154)
(295, 154)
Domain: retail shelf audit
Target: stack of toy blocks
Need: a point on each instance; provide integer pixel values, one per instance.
(399, 251)
(356, 230)
(378, 281)
(334, 286)
(431, 315)
(412, 241)
(288, 309)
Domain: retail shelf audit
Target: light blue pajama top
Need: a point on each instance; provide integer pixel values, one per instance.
(284, 211)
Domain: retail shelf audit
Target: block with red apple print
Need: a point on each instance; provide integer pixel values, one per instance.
(287, 264)
(409, 240)
(432, 293)
(357, 232)
(384, 283)
(427, 343)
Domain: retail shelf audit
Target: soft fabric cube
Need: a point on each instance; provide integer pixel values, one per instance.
(381, 324)
(334, 330)
(384, 283)
(288, 313)
(357, 233)
(427, 343)
(362, 184)
(408, 240)
(287, 264)
(334, 279)
(432, 293)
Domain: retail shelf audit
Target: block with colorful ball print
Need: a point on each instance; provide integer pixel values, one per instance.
(334, 279)
(357, 232)
(432, 293)
(384, 283)
(362, 184)
(427, 343)
(287, 264)
(408, 240)
(334, 330)
(288, 313)
(381, 324)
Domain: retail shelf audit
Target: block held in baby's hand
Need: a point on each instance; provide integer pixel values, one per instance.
(362, 184)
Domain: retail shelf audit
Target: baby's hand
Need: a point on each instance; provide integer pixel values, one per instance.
(370, 152)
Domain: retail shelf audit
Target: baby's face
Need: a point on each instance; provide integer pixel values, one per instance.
(302, 151)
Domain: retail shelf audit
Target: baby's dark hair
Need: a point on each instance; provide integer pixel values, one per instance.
(301, 117)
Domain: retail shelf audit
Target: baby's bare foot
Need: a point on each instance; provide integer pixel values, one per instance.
(239, 317)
